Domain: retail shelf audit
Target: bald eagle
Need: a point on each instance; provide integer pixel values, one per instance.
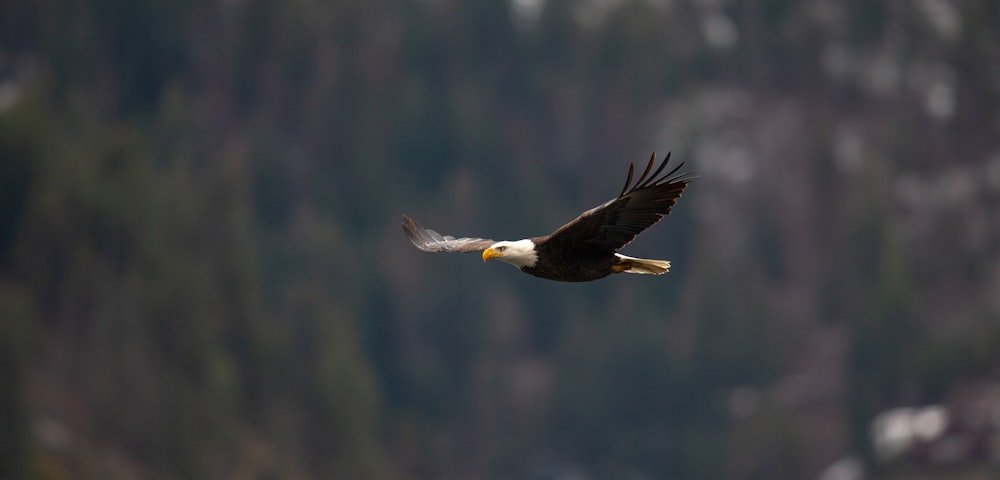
(584, 249)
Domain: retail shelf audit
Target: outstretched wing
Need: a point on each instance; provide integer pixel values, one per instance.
(431, 241)
(615, 224)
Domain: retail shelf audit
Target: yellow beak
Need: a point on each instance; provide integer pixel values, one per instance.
(490, 253)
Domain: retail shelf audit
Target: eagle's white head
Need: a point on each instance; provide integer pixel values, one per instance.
(519, 254)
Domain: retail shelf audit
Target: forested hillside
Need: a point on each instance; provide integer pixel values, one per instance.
(202, 273)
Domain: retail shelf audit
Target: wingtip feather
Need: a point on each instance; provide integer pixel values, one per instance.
(628, 179)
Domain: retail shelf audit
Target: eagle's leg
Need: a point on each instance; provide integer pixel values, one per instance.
(621, 267)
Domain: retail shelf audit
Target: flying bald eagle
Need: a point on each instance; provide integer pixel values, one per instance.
(584, 249)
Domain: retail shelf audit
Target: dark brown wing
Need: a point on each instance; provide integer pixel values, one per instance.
(614, 224)
(431, 241)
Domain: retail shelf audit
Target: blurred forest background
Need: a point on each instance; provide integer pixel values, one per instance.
(202, 273)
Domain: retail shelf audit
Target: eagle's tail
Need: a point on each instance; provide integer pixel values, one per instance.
(642, 265)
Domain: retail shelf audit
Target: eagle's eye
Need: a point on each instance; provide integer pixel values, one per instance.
(501, 248)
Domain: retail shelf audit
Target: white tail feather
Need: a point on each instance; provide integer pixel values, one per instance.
(645, 266)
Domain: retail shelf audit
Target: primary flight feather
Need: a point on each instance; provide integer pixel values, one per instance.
(584, 249)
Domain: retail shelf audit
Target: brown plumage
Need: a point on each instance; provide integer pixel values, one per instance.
(583, 249)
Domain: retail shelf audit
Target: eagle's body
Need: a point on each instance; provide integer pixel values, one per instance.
(584, 249)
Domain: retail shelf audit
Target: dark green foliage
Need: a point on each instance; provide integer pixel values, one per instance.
(16, 179)
(17, 336)
(202, 274)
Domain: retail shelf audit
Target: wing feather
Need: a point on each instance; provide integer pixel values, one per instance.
(430, 241)
(649, 166)
(628, 179)
(616, 223)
